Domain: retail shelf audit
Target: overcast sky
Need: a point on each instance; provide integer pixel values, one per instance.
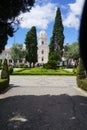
(42, 16)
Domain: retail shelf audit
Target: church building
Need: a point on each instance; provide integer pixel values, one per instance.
(43, 48)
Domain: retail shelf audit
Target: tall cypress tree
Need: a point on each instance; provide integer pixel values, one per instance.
(57, 36)
(31, 46)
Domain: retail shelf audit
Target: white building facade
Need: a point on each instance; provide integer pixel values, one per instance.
(6, 54)
(43, 48)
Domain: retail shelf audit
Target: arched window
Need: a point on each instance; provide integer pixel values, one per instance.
(10, 61)
(42, 59)
(42, 51)
(42, 42)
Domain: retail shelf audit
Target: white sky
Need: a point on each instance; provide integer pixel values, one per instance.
(43, 13)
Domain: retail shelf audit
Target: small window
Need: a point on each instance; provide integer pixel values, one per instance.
(20, 61)
(42, 59)
(42, 51)
(42, 42)
(10, 61)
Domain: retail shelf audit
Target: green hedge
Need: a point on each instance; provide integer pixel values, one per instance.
(41, 71)
(3, 84)
(82, 83)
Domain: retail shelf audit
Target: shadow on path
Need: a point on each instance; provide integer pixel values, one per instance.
(45, 112)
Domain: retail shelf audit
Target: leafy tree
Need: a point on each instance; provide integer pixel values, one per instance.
(72, 51)
(57, 39)
(17, 52)
(9, 10)
(54, 57)
(31, 46)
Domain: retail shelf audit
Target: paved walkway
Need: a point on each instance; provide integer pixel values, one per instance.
(43, 103)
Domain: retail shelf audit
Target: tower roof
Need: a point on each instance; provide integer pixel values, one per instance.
(42, 34)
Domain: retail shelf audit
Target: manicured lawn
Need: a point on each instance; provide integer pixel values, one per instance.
(2, 80)
(41, 71)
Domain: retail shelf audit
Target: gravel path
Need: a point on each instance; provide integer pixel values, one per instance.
(43, 103)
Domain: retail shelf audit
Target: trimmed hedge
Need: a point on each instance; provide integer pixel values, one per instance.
(3, 84)
(82, 83)
(81, 76)
(5, 72)
(41, 71)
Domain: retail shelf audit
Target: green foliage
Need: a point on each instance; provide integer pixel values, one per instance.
(9, 10)
(3, 84)
(82, 83)
(42, 71)
(58, 28)
(58, 34)
(31, 46)
(17, 65)
(54, 56)
(0, 64)
(5, 72)
(52, 64)
(72, 51)
(10, 69)
(17, 52)
(81, 74)
(75, 71)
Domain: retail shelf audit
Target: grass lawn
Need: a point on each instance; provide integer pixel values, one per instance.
(41, 71)
(2, 80)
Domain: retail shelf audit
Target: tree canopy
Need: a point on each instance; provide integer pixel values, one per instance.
(58, 28)
(57, 39)
(72, 51)
(17, 52)
(9, 10)
(31, 46)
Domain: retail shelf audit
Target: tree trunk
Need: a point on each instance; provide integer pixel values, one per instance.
(30, 65)
(33, 65)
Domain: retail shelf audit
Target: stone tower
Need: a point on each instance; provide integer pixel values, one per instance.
(43, 48)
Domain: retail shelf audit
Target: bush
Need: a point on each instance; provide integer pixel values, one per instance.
(62, 67)
(5, 72)
(81, 73)
(10, 69)
(17, 65)
(81, 76)
(75, 71)
(50, 65)
(3, 84)
(82, 83)
(46, 66)
(25, 66)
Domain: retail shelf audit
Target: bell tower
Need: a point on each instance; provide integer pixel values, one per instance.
(43, 48)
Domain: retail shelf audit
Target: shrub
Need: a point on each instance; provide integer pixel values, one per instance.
(81, 76)
(62, 67)
(25, 66)
(75, 71)
(46, 66)
(81, 73)
(10, 69)
(3, 84)
(17, 65)
(5, 72)
(82, 83)
(50, 65)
